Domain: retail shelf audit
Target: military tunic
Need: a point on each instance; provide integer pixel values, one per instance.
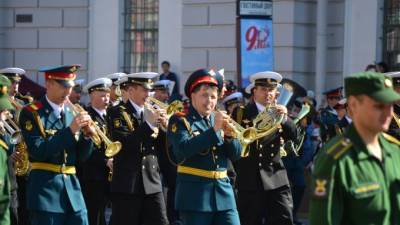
(351, 186)
(262, 181)
(394, 128)
(136, 183)
(202, 196)
(53, 195)
(4, 186)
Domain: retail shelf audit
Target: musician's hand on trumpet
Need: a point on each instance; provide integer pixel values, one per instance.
(223, 122)
(81, 122)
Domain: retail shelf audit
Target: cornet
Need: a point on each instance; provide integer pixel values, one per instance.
(8, 126)
(97, 135)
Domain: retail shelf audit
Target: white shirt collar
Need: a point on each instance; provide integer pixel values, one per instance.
(101, 112)
(349, 120)
(259, 107)
(56, 108)
(137, 108)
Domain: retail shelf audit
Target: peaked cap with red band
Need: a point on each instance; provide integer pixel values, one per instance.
(65, 75)
(198, 77)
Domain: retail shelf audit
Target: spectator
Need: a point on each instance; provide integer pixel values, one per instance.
(382, 67)
(371, 67)
(168, 75)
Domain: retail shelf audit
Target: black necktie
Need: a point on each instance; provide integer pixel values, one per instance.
(62, 117)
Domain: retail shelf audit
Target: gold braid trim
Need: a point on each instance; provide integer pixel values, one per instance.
(128, 121)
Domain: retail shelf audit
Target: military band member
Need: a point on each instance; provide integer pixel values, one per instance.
(136, 184)
(356, 175)
(343, 116)
(204, 194)
(76, 93)
(232, 101)
(114, 95)
(262, 181)
(5, 185)
(162, 91)
(19, 212)
(328, 114)
(56, 140)
(394, 128)
(94, 171)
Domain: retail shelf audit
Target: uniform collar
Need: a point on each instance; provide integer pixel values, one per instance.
(360, 147)
(101, 112)
(137, 108)
(260, 107)
(56, 108)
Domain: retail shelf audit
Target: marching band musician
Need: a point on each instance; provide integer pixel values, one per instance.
(5, 185)
(136, 184)
(19, 213)
(202, 144)
(114, 96)
(162, 92)
(94, 171)
(394, 128)
(343, 116)
(232, 101)
(56, 139)
(329, 115)
(263, 185)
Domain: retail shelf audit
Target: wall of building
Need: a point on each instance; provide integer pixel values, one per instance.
(58, 34)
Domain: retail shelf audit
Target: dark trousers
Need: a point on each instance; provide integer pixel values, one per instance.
(172, 213)
(23, 214)
(274, 206)
(95, 194)
(138, 209)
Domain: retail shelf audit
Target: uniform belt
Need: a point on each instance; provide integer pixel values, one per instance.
(202, 173)
(53, 168)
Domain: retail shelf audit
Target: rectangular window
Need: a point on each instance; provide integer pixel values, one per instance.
(391, 35)
(141, 36)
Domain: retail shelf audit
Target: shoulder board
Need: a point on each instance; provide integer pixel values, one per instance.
(34, 106)
(4, 145)
(341, 146)
(391, 138)
(122, 107)
(180, 114)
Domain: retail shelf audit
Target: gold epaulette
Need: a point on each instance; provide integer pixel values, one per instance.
(339, 148)
(391, 138)
(127, 118)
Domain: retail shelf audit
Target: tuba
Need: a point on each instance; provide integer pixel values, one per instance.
(97, 135)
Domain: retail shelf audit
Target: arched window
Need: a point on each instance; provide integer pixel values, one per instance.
(141, 36)
(391, 34)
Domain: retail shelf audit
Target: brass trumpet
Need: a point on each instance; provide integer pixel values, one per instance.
(97, 135)
(170, 109)
(396, 119)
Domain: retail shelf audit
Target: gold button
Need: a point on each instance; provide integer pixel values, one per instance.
(144, 157)
(143, 167)
(216, 157)
(260, 164)
(217, 166)
(272, 154)
(154, 166)
(260, 155)
(271, 164)
(260, 146)
(272, 145)
(152, 148)
(153, 157)
(214, 148)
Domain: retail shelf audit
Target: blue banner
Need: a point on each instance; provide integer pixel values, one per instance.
(256, 47)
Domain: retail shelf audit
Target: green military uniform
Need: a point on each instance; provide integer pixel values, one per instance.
(350, 185)
(4, 176)
(53, 191)
(204, 195)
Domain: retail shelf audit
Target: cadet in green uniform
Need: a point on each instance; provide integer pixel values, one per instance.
(204, 195)
(356, 175)
(57, 139)
(4, 177)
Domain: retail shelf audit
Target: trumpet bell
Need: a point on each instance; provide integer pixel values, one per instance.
(113, 148)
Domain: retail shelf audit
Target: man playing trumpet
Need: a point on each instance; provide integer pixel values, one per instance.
(202, 143)
(56, 141)
(262, 182)
(136, 183)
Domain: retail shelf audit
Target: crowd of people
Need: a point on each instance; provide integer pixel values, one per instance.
(220, 155)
